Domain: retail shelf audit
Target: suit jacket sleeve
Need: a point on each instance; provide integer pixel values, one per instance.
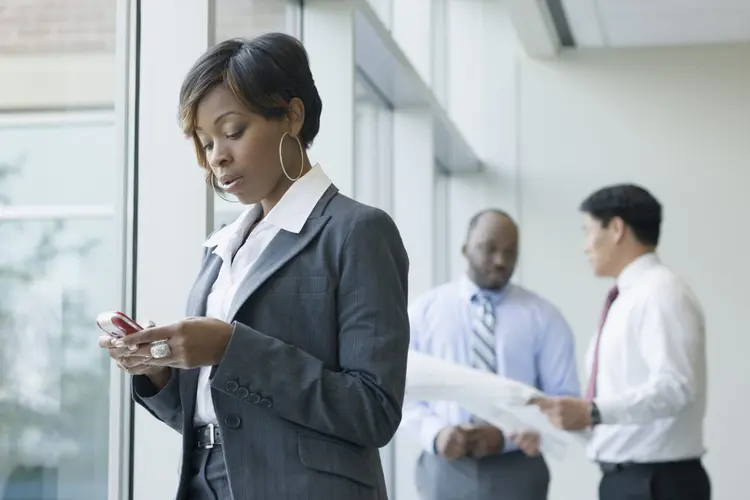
(165, 404)
(361, 401)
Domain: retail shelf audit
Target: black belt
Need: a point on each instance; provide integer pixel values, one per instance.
(207, 436)
(608, 467)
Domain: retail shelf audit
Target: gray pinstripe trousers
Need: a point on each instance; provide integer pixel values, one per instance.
(209, 480)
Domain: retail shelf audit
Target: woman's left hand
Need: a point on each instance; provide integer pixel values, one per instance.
(193, 342)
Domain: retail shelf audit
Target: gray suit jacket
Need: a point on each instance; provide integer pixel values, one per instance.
(312, 382)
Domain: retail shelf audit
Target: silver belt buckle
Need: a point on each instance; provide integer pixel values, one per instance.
(212, 436)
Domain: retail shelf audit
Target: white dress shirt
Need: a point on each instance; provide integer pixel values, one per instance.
(289, 214)
(651, 383)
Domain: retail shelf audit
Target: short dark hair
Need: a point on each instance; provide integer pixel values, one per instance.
(638, 208)
(475, 218)
(263, 73)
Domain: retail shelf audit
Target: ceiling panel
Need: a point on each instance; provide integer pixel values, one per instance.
(628, 23)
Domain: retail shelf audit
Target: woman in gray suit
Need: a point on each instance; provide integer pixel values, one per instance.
(288, 373)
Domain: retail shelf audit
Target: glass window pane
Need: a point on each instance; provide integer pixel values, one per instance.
(75, 152)
(248, 19)
(373, 147)
(59, 182)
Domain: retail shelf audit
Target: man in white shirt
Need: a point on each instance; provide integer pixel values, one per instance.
(646, 394)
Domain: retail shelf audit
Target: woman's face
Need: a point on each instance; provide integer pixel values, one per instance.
(242, 147)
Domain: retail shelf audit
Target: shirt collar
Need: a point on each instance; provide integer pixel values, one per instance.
(289, 214)
(295, 207)
(230, 237)
(469, 290)
(636, 269)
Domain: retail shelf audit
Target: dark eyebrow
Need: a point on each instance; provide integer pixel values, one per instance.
(222, 116)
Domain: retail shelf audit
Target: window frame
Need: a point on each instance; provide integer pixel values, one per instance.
(441, 222)
(379, 126)
(125, 115)
(122, 118)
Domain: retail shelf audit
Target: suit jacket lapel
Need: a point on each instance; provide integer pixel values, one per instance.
(282, 248)
(203, 284)
(197, 307)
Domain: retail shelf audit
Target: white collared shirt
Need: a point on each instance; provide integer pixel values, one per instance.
(289, 214)
(651, 384)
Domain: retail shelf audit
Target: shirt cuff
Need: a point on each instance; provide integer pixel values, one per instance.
(508, 445)
(611, 411)
(430, 430)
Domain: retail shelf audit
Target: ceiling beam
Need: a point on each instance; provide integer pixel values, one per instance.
(535, 27)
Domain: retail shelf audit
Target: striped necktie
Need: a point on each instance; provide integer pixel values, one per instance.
(483, 338)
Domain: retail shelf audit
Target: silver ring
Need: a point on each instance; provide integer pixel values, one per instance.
(160, 349)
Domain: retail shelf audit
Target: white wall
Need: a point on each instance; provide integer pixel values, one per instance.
(482, 62)
(676, 121)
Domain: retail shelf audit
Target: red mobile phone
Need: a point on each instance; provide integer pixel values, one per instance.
(117, 324)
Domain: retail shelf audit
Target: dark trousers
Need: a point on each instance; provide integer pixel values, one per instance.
(209, 480)
(508, 476)
(684, 480)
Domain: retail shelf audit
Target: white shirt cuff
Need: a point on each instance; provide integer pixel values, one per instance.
(610, 410)
(431, 427)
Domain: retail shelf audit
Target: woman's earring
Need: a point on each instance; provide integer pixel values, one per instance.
(301, 154)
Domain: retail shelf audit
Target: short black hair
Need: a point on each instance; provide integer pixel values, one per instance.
(475, 218)
(638, 208)
(264, 73)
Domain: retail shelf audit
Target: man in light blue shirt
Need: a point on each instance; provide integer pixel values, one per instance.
(483, 321)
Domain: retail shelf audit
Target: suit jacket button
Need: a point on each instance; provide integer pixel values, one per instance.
(242, 392)
(254, 398)
(266, 403)
(232, 386)
(233, 421)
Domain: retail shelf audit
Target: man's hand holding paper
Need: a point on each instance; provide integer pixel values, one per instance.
(567, 413)
(501, 402)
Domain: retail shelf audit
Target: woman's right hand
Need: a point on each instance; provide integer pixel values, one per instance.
(134, 362)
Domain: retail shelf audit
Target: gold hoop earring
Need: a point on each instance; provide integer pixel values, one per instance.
(301, 154)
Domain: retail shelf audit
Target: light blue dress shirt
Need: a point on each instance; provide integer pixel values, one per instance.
(534, 345)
